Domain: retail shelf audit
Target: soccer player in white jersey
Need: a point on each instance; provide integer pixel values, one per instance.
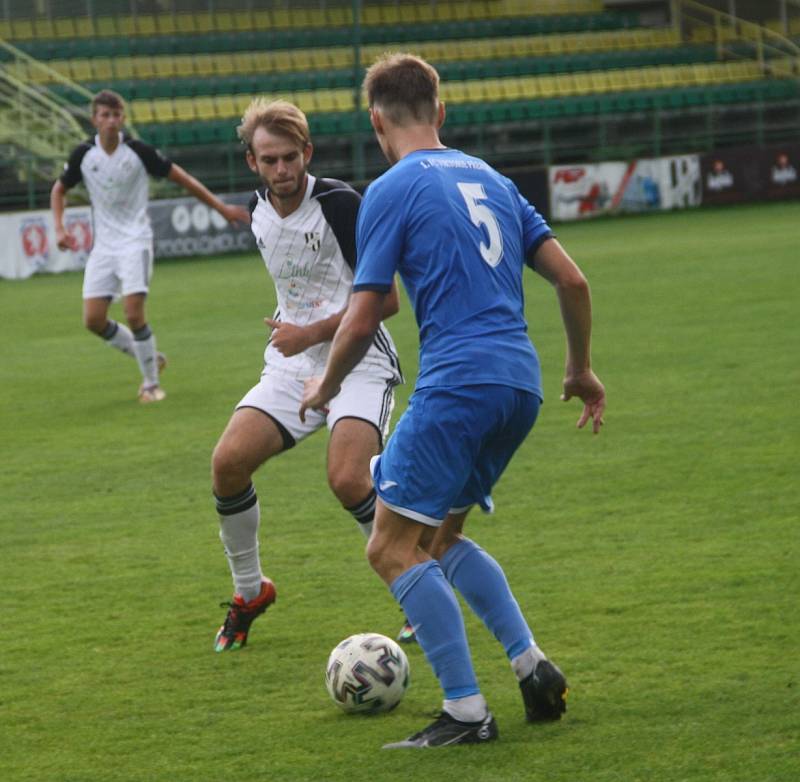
(305, 229)
(115, 170)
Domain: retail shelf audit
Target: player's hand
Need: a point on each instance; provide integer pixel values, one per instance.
(287, 338)
(315, 397)
(236, 214)
(588, 388)
(65, 241)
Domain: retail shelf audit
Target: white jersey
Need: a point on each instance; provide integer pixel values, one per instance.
(118, 188)
(311, 255)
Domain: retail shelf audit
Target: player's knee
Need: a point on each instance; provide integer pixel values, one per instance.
(376, 552)
(135, 321)
(95, 323)
(384, 558)
(349, 486)
(228, 470)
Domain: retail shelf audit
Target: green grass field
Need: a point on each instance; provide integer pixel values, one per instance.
(657, 562)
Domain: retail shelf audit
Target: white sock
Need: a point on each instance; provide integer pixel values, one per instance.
(119, 336)
(239, 518)
(524, 664)
(144, 347)
(473, 708)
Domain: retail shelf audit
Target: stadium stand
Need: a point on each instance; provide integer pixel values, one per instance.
(572, 80)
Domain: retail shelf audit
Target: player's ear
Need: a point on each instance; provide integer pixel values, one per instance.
(440, 115)
(376, 120)
(251, 161)
(308, 151)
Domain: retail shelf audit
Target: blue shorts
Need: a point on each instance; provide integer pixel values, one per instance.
(450, 447)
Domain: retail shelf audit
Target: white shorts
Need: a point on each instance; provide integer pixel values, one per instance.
(125, 271)
(362, 396)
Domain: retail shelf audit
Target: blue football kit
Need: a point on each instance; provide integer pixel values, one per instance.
(458, 233)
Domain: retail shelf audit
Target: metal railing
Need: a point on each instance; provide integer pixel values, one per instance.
(36, 125)
(736, 38)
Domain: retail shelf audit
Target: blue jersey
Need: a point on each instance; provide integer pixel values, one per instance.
(458, 233)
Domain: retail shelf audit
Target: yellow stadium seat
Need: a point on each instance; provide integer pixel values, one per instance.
(281, 18)
(85, 27)
(301, 59)
(225, 107)
(204, 65)
(141, 112)
(242, 21)
(205, 108)
(204, 23)
(65, 28)
(185, 23)
(144, 68)
(425, 14)
(126, 25)
(338, 17)
(184, 109)
(182, 66)
(164, 110)
(5, 29)
(281, 61)
(22, 30)
(224, 65)
(583, 84)
(44, 28)
(325, 100)
(566, 84)
(617, 80)
(455, 91)
(600, 81)
(547, 86)
(166, 24)
(669, 77)
(224, 22)
(105, 26)
(145, 24)
(240, 104)
(122, 67)
(80, 70)
(243, 62)
(101, 69)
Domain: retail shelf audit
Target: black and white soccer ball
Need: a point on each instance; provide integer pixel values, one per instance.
(367, 673)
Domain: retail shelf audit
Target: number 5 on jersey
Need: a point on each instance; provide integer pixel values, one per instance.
(480, 214)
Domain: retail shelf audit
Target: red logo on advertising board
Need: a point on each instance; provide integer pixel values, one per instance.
(569, 175)
(34, 239)
(81, 230)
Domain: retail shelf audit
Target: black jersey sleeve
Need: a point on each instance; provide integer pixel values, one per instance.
(253, 203)
(340, 203)
(534, 248)
(155, 162)
(72, 168)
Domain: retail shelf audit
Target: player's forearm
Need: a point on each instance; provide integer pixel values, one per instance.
(348, 348)
(324, 330)
(353, 337)
(57, 204)
(576, 313)
(196, 188)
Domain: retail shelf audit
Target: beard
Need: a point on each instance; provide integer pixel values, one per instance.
(284, 193)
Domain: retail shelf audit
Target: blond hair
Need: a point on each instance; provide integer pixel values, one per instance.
(107, 98)
(404, 87)
(277, 116)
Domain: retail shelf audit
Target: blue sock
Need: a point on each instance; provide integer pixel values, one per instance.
(432, 608)
(483, 584)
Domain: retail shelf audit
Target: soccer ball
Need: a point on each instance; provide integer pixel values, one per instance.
(367, 673)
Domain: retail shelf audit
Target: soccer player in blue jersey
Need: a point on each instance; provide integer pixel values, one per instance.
(459, 235)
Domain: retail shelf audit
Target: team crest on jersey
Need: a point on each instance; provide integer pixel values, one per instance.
(313, 240)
